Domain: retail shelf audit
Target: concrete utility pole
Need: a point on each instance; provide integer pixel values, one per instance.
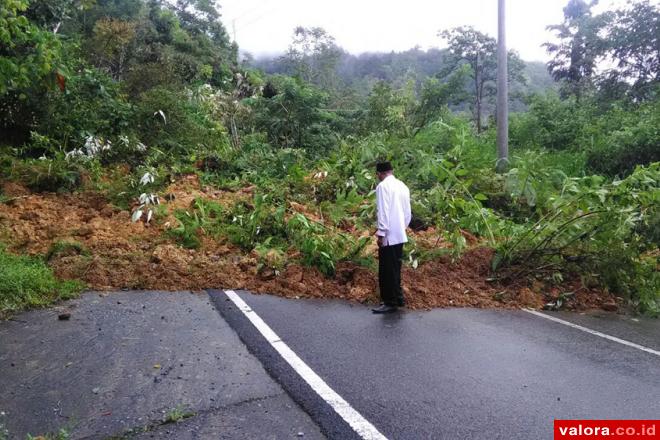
(502, 93)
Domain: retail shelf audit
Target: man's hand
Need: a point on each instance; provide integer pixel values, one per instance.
(380, 240)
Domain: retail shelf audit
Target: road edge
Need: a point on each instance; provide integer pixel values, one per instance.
(330, 423)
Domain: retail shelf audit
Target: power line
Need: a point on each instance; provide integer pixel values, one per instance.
(237, 20)
(251, 10)
(251, 22)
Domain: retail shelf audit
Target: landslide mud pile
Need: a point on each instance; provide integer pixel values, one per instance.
(115, 253)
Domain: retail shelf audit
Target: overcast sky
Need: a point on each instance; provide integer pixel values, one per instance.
(266, 26)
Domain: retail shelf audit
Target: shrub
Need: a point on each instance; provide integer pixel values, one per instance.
(633, 138)
(91, 104)
(293, 116)
(48, 174)
(549, 123)
(171, 121)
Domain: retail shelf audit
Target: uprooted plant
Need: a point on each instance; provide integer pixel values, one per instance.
(603, 231)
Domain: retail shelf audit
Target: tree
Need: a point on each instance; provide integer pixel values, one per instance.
(627, 40)
(159, 43)
(579, 49)
(31, 63)
(634, 45)
(51, 14)
(389, 109)
(111, 41)
(436, 96)
(478, 50)
(206, 44)
(313, 56)
(202, 17)
(28, 53)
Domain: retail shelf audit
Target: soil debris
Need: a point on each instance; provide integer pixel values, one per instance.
(120, 254)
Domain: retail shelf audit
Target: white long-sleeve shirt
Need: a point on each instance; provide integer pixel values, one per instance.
(393, 206)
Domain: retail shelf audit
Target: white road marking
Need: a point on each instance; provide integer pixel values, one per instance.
(359, 424)
(594, 332)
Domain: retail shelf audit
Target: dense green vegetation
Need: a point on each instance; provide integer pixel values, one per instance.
(27, 282)
(156, 86)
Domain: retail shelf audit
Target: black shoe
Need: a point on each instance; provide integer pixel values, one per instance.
(401, 303)
(383, 308)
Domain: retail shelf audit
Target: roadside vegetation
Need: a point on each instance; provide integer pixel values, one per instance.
(138, 152)
(27, 282)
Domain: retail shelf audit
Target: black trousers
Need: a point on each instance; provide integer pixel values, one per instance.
(389, 274)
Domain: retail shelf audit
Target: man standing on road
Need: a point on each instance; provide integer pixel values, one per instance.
(393, 206)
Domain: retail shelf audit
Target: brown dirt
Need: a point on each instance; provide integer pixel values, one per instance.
(12, 189)
(121, 254)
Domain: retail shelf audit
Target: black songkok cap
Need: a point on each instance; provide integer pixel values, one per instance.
(383, 166)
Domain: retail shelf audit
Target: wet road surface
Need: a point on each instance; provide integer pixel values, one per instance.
(458, 373)
(127, 360)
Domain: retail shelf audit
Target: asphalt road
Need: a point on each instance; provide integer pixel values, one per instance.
(126, 360)
(457, 373)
